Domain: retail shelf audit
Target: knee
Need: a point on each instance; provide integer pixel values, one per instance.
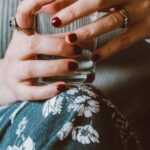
(83, 99)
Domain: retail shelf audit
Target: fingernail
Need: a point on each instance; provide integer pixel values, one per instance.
(96, 57)
(90, 78)
(72, 37)
(56, 22)
(77, 50)
(73, 66)
(62, 87)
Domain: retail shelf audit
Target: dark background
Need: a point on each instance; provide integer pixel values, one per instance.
(125, 79)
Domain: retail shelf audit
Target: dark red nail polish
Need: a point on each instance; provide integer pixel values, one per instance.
(73, 66)
(61, 87)
(96, 57)
(77, 50)
(72, 37)
(56, 22)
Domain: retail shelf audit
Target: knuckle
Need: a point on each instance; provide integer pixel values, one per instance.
(28, 69)
(110, 51)
(31, 44)
(124, 42)
(30, 95)
(113, 20)
(86, 33)
(71, 14)
(16, 92)
(61, 47)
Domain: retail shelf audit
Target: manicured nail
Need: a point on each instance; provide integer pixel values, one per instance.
(73, 66)
(96, 57)
(61, 87)
(72, 37)
(90, 78)
(77, 50)
(56, 22)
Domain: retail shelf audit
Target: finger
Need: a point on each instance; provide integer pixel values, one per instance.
(76, 11)
(47, 45)
(26, 11)
(56, 6)
(43, 68)
(37, 93)
(124, 40)
(105, 24)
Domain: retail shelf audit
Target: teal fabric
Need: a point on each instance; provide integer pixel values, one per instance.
(77, 119)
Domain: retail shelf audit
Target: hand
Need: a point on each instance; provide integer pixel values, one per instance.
(67, 11)
(19, 69)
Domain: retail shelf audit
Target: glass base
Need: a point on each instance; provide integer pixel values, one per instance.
(70, 79)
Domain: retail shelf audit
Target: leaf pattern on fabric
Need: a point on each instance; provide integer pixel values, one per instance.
(89, 91)
(85, 134)
(65, 131)
(20, 107)
(4, 107)
(1, 118)
(53, 105)
(21, 126)
(28, 144)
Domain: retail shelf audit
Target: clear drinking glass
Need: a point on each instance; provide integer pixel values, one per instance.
(86, 71)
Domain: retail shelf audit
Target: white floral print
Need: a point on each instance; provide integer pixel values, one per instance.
(54, 106)
(88, 90)
(1, 118)
(3, 107)
(85, 134)
(65, 131)
(84, 105)
(27, 145)
(21, 126)
(72, 91)
(20, 107)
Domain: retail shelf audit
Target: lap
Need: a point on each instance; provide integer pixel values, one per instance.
(79, 118)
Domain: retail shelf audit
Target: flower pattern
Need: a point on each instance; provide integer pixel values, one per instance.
(85, 106)
(54, 106)
(70, 114)
(27, 145)
(85, 134)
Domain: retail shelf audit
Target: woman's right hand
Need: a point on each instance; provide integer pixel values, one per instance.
(19, 69)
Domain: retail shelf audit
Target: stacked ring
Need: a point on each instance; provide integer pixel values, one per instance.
(125, 16)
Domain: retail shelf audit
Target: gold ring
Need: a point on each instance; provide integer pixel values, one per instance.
(125, 16)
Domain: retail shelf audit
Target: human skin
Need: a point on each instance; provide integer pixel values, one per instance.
(19, 68)
(138, 27)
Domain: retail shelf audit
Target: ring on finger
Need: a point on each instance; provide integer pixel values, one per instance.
(13, 25)
(125, 16)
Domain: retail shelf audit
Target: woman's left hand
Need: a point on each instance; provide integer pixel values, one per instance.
(66, 11)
